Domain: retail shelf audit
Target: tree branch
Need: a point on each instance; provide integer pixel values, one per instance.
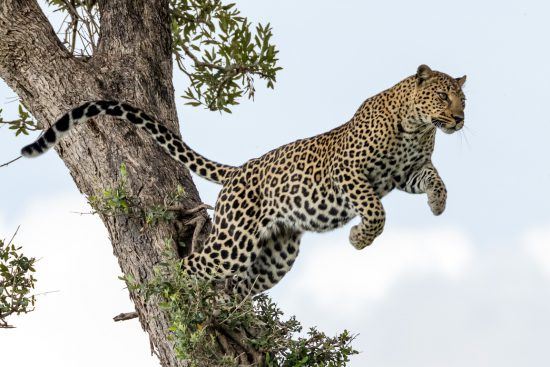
(27, 36)
(125, 316)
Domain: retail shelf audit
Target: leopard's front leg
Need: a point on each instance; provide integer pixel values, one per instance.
(368, 206)
(427, 180)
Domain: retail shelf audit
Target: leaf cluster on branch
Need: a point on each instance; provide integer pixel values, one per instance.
(220, 52)
(21, 125)
(16, 282)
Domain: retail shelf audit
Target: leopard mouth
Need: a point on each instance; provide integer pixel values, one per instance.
(446, 126)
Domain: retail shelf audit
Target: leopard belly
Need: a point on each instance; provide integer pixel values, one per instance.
(320, 209)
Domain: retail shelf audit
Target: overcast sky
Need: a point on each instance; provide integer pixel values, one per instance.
(471, 287)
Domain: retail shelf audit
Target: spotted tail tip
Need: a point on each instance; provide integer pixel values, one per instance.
(32, 150)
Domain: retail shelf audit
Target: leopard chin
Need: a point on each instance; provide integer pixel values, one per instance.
(448, 131)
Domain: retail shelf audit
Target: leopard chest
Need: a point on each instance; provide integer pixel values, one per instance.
(391, 168)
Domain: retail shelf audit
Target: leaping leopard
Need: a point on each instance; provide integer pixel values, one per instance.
(314, 184)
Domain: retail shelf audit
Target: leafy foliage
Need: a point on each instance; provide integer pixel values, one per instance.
(231, 52)
(198, 314)
(16, 282)
(213, 44)
(116, 200)
(316, 349)
(23, 124)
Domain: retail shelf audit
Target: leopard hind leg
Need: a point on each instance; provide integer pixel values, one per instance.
(234, 242)
(278, 251)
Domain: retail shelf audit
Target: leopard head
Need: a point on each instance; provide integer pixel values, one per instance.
(439, 99)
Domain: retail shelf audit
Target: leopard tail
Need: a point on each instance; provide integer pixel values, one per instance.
(168, 140)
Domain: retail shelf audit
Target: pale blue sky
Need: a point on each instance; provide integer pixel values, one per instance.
(471, 287)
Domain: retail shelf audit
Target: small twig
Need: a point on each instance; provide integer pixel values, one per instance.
(75, 30)
(31, 126)
(197, 208)
(46, 293)
(248, 297)
(242, 68)
(201, 63)
(226, 79)
(10, 162)
(12, 237)
(153, 351)
(179, 208)
(84, 213)
(89, 25)
(125, 316)
(74, 24)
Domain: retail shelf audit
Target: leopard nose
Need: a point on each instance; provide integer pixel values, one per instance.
(458, 118)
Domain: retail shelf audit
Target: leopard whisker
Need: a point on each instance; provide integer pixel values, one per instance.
(463, 135)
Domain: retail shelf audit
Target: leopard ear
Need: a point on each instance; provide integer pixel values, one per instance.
(461, 81)
(423, 73)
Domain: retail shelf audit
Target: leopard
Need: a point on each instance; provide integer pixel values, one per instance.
(314, 184)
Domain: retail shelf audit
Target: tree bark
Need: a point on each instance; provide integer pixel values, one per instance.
(134, 64)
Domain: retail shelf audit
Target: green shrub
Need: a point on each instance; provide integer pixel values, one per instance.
(16, 282)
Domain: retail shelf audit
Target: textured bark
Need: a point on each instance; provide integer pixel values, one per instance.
(133, 63)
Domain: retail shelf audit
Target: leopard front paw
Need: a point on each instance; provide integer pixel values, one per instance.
(358, 238)
(437, 202)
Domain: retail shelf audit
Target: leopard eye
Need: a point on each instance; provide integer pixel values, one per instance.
(443, 96)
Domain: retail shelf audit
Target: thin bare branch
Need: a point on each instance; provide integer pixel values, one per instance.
(10, 162)
(13, 237)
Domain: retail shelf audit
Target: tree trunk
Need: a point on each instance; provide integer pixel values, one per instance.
(133, 63)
